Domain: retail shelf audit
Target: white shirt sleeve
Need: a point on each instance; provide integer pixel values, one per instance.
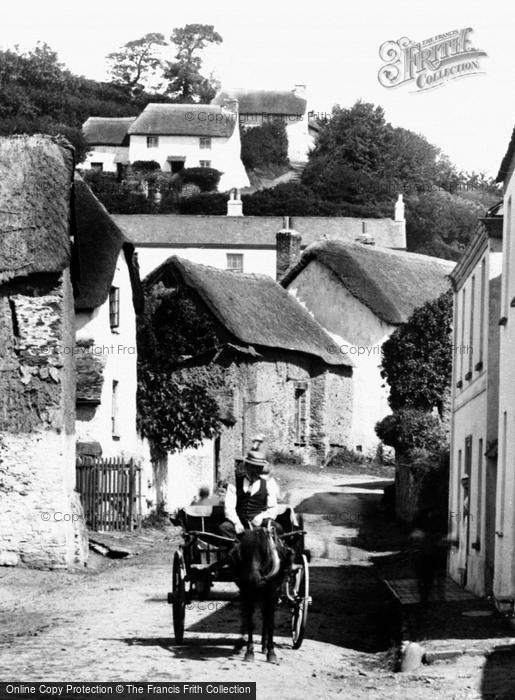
(230, 505)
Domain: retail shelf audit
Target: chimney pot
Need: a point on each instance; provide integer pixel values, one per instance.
(234, 205)
(399, 209)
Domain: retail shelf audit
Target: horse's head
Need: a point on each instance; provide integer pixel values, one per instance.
(262, 557)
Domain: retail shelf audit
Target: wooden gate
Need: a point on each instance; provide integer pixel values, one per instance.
(110, 491)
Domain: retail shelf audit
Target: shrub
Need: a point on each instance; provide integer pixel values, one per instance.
(264, 145)
(146, 165)
(411, 429)
(206, 179)
(287, 199)
(283, 457)
(206, 203)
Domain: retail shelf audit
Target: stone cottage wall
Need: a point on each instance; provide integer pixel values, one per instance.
(331, 410)
(41, 519)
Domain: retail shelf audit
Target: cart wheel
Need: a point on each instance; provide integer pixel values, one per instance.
(178, 597)
(301, 600)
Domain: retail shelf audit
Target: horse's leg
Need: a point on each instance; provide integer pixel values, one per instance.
(269, 605)
(263, 628)
(248, 607)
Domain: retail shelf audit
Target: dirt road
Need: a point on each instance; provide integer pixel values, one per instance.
(114, 624)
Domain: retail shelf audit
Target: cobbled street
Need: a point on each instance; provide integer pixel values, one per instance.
(112, 622)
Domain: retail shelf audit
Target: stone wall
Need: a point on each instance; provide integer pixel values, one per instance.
(41, 520)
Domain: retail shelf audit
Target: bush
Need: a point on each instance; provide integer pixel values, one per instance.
(287, 199)
(206, 179)
(214, 203)
(147, 166)
(411, 429)
(264, 145)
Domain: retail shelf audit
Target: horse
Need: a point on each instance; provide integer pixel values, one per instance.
(260, 562)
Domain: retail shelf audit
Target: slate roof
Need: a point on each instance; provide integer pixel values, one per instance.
(107, 131)
(264, 101)
(184, 120)
(390, 283)
(254, 308)
(173, 231)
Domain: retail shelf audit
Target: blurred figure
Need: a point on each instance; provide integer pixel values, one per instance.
(429, 549)
(204, 498)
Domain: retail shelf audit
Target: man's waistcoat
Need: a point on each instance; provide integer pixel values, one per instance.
(249, 505)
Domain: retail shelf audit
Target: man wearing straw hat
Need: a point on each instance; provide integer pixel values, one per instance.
(252, 501)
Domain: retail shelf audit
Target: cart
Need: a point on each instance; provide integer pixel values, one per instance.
(193, 575)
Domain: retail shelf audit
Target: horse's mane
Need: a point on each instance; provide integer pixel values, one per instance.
(255, 558)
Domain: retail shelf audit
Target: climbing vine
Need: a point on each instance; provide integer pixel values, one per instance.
(177, 405)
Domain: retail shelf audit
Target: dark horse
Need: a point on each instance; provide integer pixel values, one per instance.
(260, 562)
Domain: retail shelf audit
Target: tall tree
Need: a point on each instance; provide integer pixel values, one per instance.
(186, 83)
(137, 61)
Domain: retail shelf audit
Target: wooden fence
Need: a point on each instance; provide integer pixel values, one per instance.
(110, 491)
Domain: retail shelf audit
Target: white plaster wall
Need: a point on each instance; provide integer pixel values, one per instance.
(299, 140)
(104, 155)
(254, 260)
(118, 349)
(187, 472)
(504, 574)
(358, 333)
(224, 155)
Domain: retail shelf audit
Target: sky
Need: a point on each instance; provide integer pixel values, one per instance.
(332, 47)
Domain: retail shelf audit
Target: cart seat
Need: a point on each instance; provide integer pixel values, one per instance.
(203, 518)
(287, 518)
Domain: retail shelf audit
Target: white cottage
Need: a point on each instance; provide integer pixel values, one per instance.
(108, 296)
(474, 407)
(108, 139)
(360, 294)
(181, 136)
(257, 107)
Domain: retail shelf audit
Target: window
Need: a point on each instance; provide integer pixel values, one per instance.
(479, 512)
(300, 412)
(462, 339)
(235, 262)
(114, 307)
(97, 167)
(114, 411)
(205, 163)
(152, 141)
(205, 142)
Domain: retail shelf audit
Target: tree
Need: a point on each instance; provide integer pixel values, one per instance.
(186, 83)
(417, 358)
(137, 61)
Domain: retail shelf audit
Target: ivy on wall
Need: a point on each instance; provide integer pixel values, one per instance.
(177, 406)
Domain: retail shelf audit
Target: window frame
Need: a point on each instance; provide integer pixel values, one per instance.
(204, 163)
(205, 143)
(152, 141)
(114, 307)
(234, 257)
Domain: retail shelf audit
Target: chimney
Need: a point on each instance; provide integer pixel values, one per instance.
(287, 247)
(300, 91)
(230, 104)
(234, 205)
(399, 209)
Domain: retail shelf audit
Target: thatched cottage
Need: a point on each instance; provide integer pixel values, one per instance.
(360, 294)
(40, 514)
(108, 297)
(108, 139)
(289, 107)
(280, 376)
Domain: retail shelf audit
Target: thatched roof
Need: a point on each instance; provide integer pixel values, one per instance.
(184, 120)
(98, 245)
(107, 131)
(390, 283)
(253, 308)
(35, 194)
(264, 102)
